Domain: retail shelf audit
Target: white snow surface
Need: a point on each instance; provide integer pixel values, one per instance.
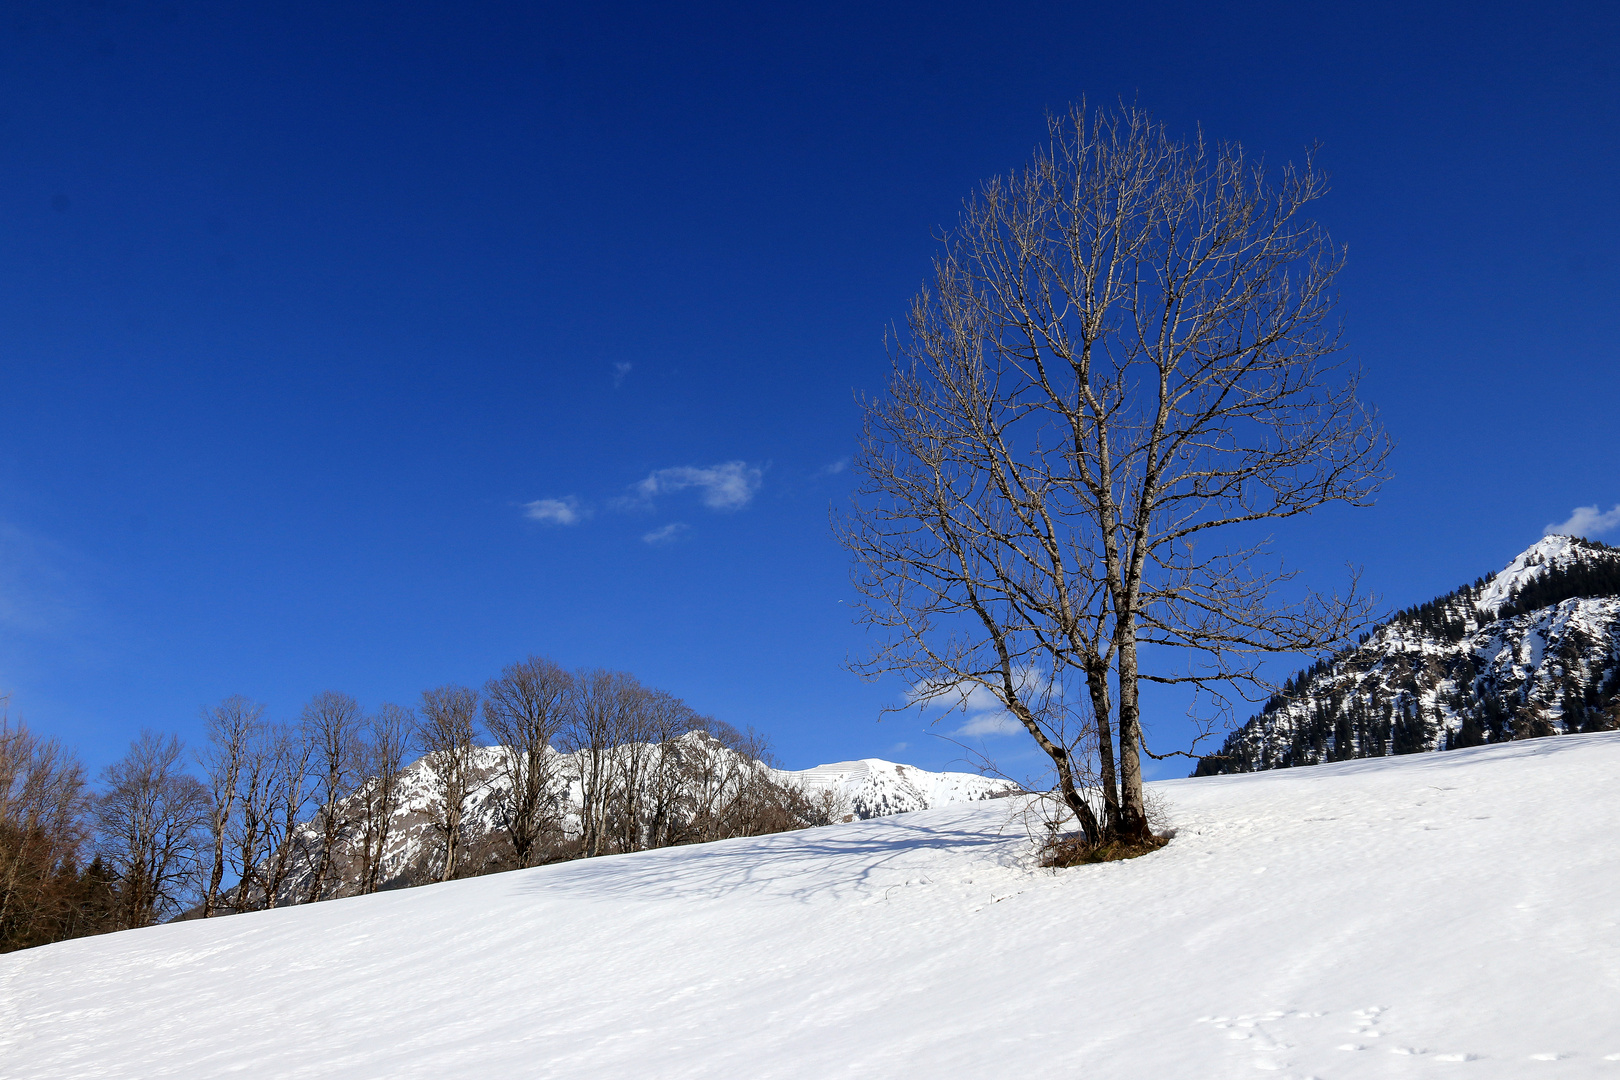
(1444, 915)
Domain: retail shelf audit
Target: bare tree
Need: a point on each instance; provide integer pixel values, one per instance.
(290, 750)
(598, 709)
(447, 733)
(1127, 347)
(231, 727)
(254, 836)
(632, 763)
(670, 724)
(331, 721)
(756, 803)
(151, 820)
(524, 711)
(390, 731)
(42, 830)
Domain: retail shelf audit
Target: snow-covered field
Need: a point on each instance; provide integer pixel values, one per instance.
(1452, 915)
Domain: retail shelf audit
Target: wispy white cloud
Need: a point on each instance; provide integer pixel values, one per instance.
(620, 370)
(990, 723)
(835, 468)
(727, 486)
(1587, 521)
(984, 712)
(566, 511)
(664, 534)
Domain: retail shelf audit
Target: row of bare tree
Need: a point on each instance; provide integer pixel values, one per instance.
(280, 797)
(141, 832)
(583, 763)
(158, 839)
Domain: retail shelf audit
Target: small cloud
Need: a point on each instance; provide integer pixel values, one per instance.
(728, 486)
(835, 468)
(990, 723)
(556, 511)
(664, 534)
(1587, 521)
(984, 711)
(620, 370)
(899, 747)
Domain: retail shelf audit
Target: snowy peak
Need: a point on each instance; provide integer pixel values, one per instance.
(873, 787)
(1548, 553)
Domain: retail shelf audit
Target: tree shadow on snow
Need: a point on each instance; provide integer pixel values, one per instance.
(805, 866)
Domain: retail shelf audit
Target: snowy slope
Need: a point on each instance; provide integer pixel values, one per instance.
(1437, 915)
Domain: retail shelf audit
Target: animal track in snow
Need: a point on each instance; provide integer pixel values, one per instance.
(1248, 1030)
(1261, 1034)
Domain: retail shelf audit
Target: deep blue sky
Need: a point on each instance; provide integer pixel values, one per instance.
(302, 304)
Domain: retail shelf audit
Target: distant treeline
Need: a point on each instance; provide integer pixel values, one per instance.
(266, 813)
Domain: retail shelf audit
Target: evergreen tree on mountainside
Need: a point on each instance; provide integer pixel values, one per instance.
(1457, 671)
(1564, 583)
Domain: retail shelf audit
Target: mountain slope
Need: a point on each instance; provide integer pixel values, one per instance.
(1407, 917)
(1532, 651)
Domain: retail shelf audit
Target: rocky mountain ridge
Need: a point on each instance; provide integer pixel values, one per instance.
(1531, 651)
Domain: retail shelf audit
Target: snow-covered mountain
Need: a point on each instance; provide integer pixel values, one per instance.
(1431, 916)
(1533, 650)
(873, 787)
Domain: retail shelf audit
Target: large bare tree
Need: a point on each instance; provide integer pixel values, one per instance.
(671, 726)
(1124, 370)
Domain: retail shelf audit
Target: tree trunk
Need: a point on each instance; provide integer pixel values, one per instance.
(1132, 813)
